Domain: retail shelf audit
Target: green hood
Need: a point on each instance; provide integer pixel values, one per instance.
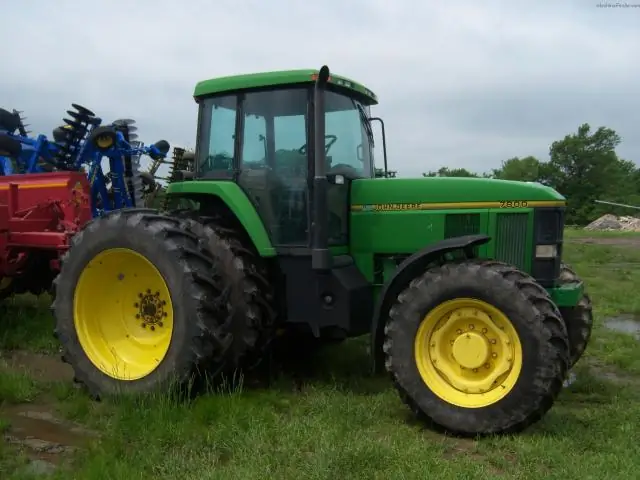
(450, 190)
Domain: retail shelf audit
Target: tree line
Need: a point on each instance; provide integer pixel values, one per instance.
(583, 166)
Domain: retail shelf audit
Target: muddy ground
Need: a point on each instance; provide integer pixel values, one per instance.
(36, 428)
(614, 241)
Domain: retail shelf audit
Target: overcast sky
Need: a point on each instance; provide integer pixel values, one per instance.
(461, 83)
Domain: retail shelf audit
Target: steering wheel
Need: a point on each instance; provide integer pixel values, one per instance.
(343, 169)
(332, 139)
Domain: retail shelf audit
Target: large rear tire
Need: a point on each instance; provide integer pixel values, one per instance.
(578, 319)
(476, 347)
(146, 301)
(252, 277)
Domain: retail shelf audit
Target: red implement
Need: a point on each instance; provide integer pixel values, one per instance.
(40, 211)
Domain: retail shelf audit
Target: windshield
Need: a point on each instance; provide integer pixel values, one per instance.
(274, 133)
(347, 121)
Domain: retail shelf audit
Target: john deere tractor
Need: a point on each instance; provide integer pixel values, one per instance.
(284, 229)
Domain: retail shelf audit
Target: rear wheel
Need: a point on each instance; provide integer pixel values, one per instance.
(144, 301)
(255, 291)
(476, 348)
(578, 319)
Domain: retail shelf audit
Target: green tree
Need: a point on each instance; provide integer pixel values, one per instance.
(583, 167)
(450, 172)
(526, 169)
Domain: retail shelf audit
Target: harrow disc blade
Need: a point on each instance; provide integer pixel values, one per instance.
(83, 110)
(123, 122)
(132, 136)
(71, 123)
(75, 115)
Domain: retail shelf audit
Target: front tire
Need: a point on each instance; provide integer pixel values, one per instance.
(475, 348)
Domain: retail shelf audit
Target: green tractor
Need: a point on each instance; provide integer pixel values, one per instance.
(283, 229)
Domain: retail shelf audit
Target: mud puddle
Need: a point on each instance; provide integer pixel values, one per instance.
(625, 323)
(44, 438)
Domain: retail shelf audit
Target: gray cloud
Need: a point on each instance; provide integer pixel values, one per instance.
(463, 84)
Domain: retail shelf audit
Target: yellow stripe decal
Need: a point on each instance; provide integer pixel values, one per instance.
(397, 207)
(24, 186)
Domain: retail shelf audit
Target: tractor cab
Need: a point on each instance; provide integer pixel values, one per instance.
(263, 138)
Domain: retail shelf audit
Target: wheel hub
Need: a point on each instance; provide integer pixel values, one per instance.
(471, 350)
(125, 330)
(150, 309)
(465, 348)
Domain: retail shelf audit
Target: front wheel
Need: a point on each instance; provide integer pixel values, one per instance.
(476, 347)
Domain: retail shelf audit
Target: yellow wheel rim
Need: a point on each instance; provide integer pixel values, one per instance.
(104, 141)
(468, 353)
(123, 314)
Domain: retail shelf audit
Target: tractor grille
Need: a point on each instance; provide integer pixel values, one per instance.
(511, 238)
(459, 224)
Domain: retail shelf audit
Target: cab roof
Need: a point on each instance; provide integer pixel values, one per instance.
(283, 77)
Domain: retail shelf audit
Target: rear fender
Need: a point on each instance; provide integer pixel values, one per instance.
(237, 202)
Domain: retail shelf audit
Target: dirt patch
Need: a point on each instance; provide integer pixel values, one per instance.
(40, 366)
(457, 447)
(46, 439)
(614, 241)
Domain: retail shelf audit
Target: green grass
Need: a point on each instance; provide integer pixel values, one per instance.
(346, 424)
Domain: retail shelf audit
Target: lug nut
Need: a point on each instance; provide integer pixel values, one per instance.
(459, 332)
(484, 330)
(152, 328)
(494, 355)
(471, 326)
(160, 324)
(144, 325)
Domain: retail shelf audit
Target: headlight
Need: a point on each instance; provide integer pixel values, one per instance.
(546, 251)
